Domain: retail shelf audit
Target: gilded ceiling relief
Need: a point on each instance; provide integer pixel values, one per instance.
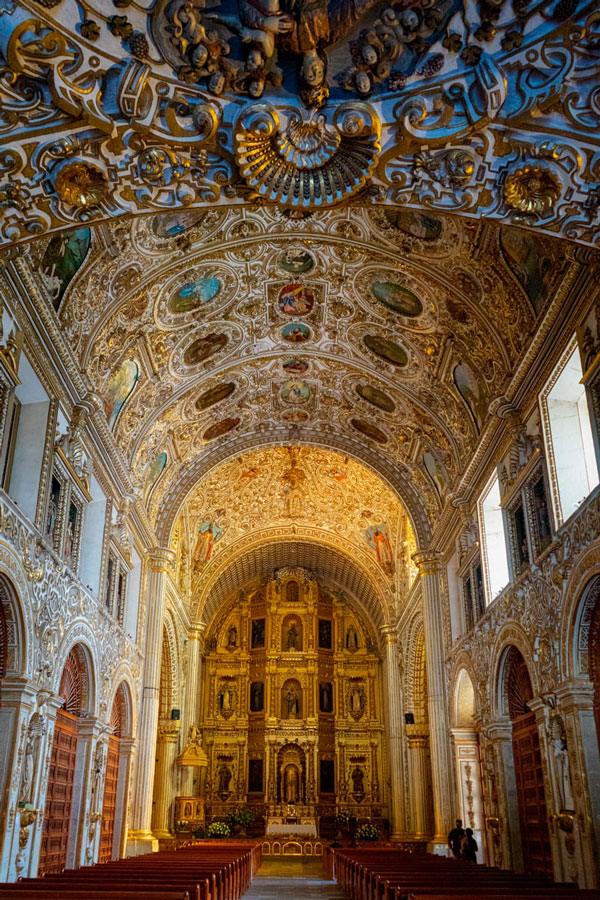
(282, 486)
(393, 332)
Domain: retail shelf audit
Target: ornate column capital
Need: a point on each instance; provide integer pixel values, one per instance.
(159, 558)
(428, 562)
(389, 634)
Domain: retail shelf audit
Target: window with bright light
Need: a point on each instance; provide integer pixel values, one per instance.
(491, 526)
(571, 438)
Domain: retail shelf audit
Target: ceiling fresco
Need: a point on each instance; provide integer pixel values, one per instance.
(273, 491)
(383, 334)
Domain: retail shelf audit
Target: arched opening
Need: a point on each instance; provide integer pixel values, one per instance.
(118, 722)
(417, 733)
(61, 776)
(292, 592)
(165, 772)
(529, 777)
(467, 759)
(593, 649)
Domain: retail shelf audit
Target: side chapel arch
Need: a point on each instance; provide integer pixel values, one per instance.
(516, 693)
(60, 817)
(115, 781)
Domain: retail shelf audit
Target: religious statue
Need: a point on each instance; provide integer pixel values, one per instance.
(351, 638)
(232, 636)
(225, 777)
(293, 638)
(358, 780)
(32, 741)
(290, 784)
(561, 761)
(292, 704)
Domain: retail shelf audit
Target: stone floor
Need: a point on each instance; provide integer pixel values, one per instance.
(295, 878)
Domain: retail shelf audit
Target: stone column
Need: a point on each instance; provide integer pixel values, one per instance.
(141, 839)
(502, 809)
(580, 834)
(190, 703)
(439, 735)
(165, 778)
(419, 768)
(395, 736)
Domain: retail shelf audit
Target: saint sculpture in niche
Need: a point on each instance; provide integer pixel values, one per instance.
(358, 780)
(292, 704)
(224, 779)
(293, 638)
(232, 636)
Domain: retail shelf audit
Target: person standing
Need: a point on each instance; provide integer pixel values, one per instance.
(468, 846)
(455, 838)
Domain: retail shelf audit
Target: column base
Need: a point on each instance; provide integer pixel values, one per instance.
(438, 848)
(163, 834)
(139, 842)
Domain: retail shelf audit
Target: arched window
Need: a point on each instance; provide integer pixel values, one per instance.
(292, 592)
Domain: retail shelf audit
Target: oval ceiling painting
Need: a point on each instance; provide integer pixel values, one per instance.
(388, 350)
(417, 224)
(194, 293)
(295, 391)
(296, 300)
(219, 428)
(214, 395)
(296, 260)
(204, 347)
(376, 397)
(295, 365)
(172, 224)
(397, 298)
(369, 430)
(295, 416)
(295, 332)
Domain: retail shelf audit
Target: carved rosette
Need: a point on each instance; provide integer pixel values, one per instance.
(308, 164)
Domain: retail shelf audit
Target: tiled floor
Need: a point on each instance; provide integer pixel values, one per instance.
(293, 878)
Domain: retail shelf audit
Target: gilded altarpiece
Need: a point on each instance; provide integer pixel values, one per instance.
(293, 710)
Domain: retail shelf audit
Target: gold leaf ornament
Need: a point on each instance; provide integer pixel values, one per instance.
(81, 184)
(532, 189)
(308, 163)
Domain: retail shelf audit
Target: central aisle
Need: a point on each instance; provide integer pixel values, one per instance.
(296, 877)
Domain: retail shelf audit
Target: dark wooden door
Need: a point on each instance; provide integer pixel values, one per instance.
(59, 796)
(535, 837)
(109, 805)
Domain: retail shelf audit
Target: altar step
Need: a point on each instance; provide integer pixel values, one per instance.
(299, 877)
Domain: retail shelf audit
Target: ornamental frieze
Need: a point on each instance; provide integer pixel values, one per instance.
(173, 104)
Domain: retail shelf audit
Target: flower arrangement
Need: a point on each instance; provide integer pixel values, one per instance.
(342, 818)
(241, 815)
(368, 832)
(219, 829)
(182, 825)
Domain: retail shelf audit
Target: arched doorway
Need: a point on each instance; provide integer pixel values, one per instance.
(594, 649)
(467, 758)
(529, 776)
(61, 776)
(118, 721)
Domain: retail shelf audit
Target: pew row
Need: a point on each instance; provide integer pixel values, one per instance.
(385, 873)
(202, 871)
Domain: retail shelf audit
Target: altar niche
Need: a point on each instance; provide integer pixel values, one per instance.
(291, 699)
(291, 634)
(291, 777)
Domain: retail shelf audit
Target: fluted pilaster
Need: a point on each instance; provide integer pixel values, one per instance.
(158, 562)
(394, 732)
(420, 779)
(190, 703)
(429, 569)
(167, 748)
